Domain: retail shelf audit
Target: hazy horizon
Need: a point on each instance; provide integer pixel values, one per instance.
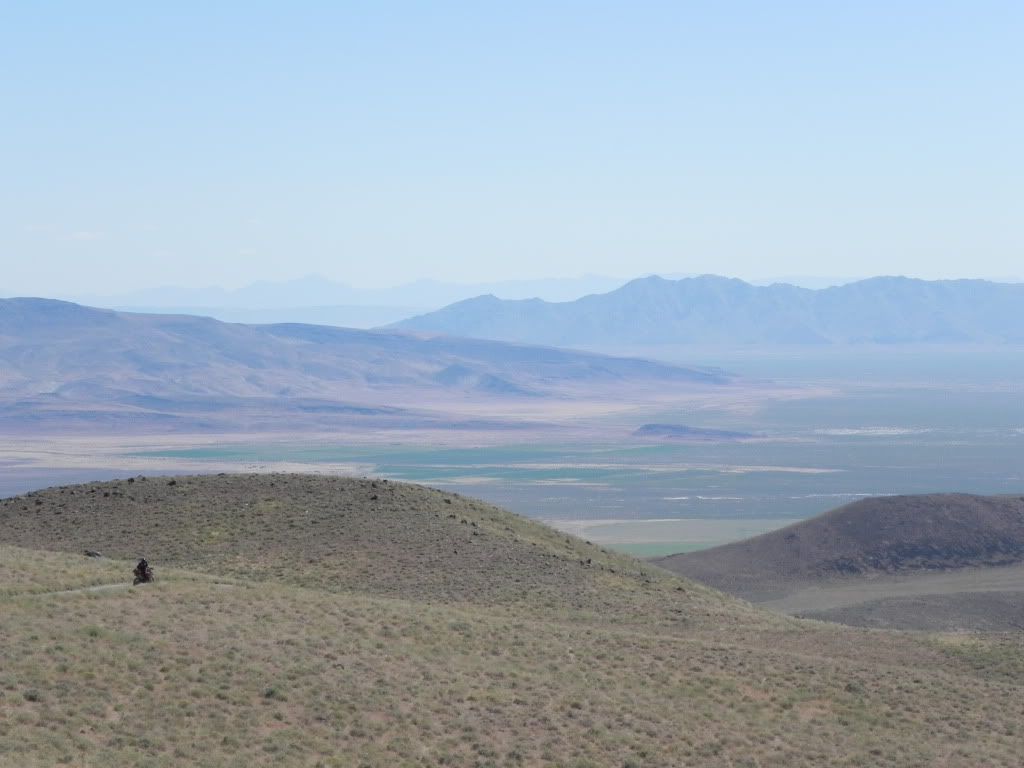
(377, 145)
(321, 291)
(512, 384)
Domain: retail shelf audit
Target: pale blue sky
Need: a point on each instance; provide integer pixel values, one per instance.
(376, 142)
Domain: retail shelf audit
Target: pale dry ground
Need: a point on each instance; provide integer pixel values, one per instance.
(584, 404)
(1009, 578)
(973, 599)
(685, 530)
(585, 419)
(120, 453)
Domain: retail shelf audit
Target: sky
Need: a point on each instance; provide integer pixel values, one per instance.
(377, 143)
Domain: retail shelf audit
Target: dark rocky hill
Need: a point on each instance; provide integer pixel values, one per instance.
(873, 537)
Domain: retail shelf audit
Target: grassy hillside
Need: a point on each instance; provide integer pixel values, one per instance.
(871, 537)
(245, 653)
(343, 534)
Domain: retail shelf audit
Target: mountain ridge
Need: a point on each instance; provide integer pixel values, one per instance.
(713, 309)
(60, 360)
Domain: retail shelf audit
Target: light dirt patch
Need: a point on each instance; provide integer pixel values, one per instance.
(821, 598)
(816, 708)
(686, 530)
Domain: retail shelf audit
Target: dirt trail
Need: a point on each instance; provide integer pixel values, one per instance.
(96, 588)
(75, 591)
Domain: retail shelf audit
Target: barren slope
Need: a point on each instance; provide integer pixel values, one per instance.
(871, 537)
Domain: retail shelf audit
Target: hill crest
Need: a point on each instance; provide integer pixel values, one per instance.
(374, 537)
(875, 536)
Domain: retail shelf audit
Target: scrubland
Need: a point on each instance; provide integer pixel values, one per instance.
(245, 654)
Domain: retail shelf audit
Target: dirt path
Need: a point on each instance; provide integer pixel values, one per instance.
(94, 588)
(98, 588)
(75, 591)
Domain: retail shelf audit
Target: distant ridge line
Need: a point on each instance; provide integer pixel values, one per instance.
(716, 310)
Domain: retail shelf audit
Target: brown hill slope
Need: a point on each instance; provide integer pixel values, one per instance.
(346, 534)
(887, 535)
(401, 644)
(191, 671)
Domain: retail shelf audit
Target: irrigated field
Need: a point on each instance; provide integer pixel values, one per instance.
(302, 650)
(834, 427)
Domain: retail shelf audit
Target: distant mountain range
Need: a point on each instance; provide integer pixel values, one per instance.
(320, 301)
(316, 292)
(717, 310)
(62, 364)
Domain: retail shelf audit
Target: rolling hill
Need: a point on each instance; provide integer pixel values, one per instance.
(715, 310)
(302, 620)
(913, 562)
(64, 366)
(378, 537)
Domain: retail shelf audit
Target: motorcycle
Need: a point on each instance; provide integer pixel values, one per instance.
(143, 574)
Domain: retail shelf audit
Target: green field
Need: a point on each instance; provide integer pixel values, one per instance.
(811, 456)
(658, 549)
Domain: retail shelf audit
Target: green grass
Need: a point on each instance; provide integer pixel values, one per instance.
(661, 548)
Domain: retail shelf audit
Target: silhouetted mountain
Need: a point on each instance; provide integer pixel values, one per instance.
(62, 361)
(717, 310)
